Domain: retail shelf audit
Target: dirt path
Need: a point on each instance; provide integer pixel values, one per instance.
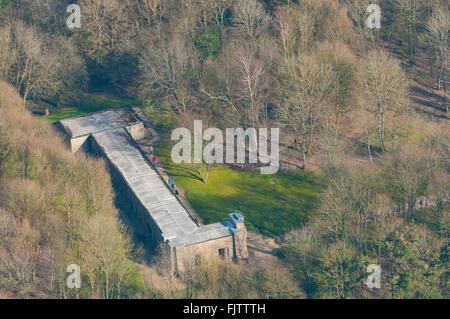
(261, 249)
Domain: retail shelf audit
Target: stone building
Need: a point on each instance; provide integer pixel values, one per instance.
(113, 134)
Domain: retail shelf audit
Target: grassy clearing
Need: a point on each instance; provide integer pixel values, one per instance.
(90, 104)
(272, 204)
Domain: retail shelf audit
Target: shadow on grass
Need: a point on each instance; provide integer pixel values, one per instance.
(180, 171)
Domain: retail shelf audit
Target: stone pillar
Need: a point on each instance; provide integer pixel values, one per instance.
(137, 130)
(170, 251)
(239, 236)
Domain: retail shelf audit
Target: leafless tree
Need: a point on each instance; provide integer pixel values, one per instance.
(253, 82)
(384, 91)
(104, 23)
(410, 15)
(7, 227)
(38, 66)
(152, 10)
(213, 11)
(307, 84)
(7, 54)
(165, 265)
(306, 29)
(250, 18)
(167, 68)
(357, 10)
(286, 28)
(219, 9)
(28, 46)
(243, 84)
(104, 256)
(437, 36)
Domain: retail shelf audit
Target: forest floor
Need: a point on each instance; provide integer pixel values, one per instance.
(425, 98)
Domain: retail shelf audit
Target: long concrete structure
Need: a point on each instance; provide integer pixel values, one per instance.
(113, 134)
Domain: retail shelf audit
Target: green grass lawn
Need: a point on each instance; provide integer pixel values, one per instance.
(89, 104)
(272, 204)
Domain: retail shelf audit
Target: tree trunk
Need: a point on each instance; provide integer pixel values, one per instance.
(369, 148)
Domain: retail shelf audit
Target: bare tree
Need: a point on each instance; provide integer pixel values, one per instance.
(66, 67)
(343, 64)
(17, 259)
(212, 12)
(357, 10)
(167, 68)
(152, 10)
(384, 91)
(243, 81)
(47, 15)
(7, 54)
(286, 28)
(305, 23)
(17, 270)
(250, 18)
(307, 85)
(219, 9)
(7, 227)
(410, 14)
(296, 28)
(165, 264)
(437, 36)
(253, 82)
(104, 256)
(29, 51)
(37, 66)
(274, 282)
(104, 23)
(407, 175)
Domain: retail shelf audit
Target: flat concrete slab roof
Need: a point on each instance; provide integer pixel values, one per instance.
(150, 189)
(88, 124)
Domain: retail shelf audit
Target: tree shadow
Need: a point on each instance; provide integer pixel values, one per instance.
(176, 170)
(426, 98)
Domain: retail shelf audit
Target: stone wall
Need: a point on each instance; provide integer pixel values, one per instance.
(187, 256)
(79, 143)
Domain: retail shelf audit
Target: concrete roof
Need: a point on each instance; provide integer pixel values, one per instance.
(204, 233)
(154, 194)
(87, 124)
(174, 221)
